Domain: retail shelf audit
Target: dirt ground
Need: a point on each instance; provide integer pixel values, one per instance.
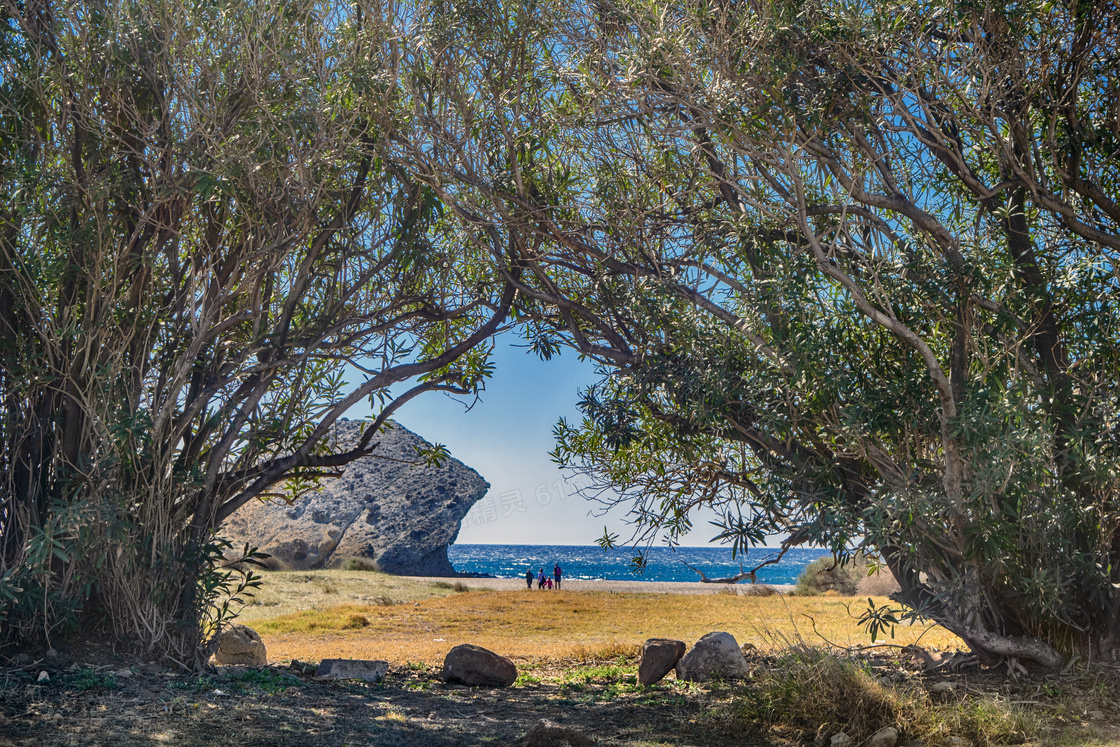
(277, 706)
(95, 700)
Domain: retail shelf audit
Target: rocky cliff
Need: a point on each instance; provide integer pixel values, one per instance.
(398, 515)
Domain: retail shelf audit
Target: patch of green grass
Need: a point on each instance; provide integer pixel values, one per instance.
(87, 679)
(614, 690)
(196, 684)
(264, 680)
(606, 672)
(524, 678)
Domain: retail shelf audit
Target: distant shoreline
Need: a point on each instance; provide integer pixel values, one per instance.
(627, 587)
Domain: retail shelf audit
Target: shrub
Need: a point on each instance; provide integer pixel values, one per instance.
(825, 575)
(359, 564)
(819, 694)
(355, 621)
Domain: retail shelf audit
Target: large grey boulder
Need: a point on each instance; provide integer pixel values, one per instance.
(659, 656)
(716, 654)
(398, 516)
(467, 664)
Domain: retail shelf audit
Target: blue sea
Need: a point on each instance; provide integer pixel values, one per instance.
(591, 562)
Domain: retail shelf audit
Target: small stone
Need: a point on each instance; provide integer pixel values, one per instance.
(352, 669)
(123, 674)
(75, 667)
(43, 677)
(547, 733)
(957, 742)
(885, 737)
(942, 688)
(1096, 714)
(51, 654)
(840, 739)
(824, 734)
(23, 660)
(659, 656)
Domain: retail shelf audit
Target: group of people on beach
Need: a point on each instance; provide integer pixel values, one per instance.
(543, 581)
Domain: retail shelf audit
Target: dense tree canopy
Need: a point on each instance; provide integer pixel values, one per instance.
(199, 247)
(850, 271)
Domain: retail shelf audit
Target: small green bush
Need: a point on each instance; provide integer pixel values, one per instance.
(358, 564)
(355, 621)
(825, 575)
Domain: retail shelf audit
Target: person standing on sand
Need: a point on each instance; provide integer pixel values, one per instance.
(540, 579)
(556, 573)
(529, 577)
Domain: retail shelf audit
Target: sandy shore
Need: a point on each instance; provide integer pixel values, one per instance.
(629, 587)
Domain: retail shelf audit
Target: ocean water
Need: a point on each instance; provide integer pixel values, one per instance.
(591, 562)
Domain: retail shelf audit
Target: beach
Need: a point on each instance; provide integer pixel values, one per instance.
(627, 587)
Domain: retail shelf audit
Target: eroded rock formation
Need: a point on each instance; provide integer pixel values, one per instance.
(397, 515)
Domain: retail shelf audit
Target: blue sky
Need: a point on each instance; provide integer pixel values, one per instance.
(506, 437)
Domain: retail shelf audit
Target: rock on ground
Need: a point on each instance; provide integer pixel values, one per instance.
(546, 733)
(352, 669)
(659, 656)
(397, 516)
(715, 654)
(240, 645)
(885, 737)
(467, 664)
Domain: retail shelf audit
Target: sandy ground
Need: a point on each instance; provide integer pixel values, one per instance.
(629, 587)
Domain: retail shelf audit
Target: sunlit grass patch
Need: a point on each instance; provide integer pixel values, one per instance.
(372, 615)
(341, 618)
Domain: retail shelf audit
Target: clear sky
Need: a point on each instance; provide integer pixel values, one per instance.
(506, 438)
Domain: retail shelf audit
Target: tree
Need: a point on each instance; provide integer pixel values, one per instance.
(200, 244)
(850, 273)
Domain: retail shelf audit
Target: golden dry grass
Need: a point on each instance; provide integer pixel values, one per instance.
(316, 615)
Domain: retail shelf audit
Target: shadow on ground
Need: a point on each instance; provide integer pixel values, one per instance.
(273, 707)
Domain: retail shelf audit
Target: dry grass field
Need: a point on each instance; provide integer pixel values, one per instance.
(322, 614)
(576, 654)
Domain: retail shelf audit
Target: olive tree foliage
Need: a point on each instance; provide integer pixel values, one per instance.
(204, 262)
(849, 269)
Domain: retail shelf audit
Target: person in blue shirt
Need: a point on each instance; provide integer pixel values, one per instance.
(540, 579)
(556, 573)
